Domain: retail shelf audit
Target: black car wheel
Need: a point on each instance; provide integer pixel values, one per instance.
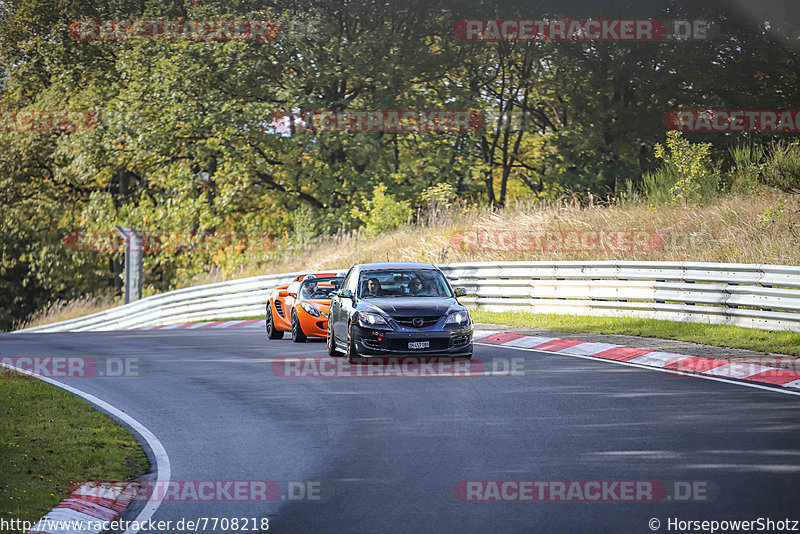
(297, 331)
(272, 332)
(351, 353)
(332, 350)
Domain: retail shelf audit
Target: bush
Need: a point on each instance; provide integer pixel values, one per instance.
(687, 175)
(746, 171)
(436, 203)
(782, 167)
(657, 184)
(382, 212)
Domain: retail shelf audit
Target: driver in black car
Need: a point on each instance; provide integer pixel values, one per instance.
(415, 286)
(373, 288)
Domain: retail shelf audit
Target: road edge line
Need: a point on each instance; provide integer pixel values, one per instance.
(163, 466)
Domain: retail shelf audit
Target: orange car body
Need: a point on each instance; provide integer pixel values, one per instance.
(285, 302)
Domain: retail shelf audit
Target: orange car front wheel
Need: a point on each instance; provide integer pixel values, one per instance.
(297, 331)
(272, 332)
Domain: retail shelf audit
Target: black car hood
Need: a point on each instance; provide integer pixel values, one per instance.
(400, 306)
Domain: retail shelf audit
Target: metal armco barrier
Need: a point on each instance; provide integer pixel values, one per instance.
(237, 298)
(756, 296)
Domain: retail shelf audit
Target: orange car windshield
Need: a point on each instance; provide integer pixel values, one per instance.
(319, 288)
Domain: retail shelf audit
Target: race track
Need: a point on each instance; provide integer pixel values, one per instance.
(387, 452)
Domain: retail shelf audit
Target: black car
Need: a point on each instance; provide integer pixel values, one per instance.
(398, 308)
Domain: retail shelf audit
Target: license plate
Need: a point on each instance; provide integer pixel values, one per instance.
(419, 344)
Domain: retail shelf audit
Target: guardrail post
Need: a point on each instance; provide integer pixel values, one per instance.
(133, 263)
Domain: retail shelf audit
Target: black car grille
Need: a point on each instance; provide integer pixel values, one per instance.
(279, 307)
(428, 320)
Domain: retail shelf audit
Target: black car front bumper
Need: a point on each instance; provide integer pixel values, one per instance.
(446, 342)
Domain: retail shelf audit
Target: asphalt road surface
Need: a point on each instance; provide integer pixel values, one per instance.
(389, 453)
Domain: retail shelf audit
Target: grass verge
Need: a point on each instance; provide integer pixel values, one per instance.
(50, 438)
(707, 334)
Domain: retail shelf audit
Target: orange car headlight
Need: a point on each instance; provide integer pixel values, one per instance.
(310, 309)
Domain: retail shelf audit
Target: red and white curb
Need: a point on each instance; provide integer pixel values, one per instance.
(87, 509)
(681, 363)
(253, 323)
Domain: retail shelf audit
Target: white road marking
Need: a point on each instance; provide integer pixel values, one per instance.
(163, 467)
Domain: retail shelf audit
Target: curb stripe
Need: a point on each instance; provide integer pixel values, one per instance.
(499, 339)
(681, 364)
(622, 354)
(696, 364)
(527, 342)
(249, 323)
(589, 349)
(213, 324)
(557, 344)
(775, 376)
(658, 359)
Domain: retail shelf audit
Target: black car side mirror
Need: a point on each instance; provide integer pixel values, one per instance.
(460, 292)
(345, 293)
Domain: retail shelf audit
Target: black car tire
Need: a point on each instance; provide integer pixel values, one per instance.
(272, 332)
(352, 353)
(329, 340)
(297, 331)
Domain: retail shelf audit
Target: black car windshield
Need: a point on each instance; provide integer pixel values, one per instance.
(319, 288)
(403, 283)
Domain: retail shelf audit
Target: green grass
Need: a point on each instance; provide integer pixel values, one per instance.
(717, 335)
(50, 438)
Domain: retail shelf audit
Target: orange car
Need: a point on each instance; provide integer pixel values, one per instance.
(302, 306)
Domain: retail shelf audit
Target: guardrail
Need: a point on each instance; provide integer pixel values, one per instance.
(237, 298)
(756, 296)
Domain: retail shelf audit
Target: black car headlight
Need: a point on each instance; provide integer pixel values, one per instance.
(310, 309)
(460, 318)
(368, 320)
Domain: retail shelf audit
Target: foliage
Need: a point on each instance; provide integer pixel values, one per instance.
(381, 211)
(185, 140)
(782, 167)
(747, 166)
(689, 165)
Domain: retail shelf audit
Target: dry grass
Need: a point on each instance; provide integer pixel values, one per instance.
(62, 310)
